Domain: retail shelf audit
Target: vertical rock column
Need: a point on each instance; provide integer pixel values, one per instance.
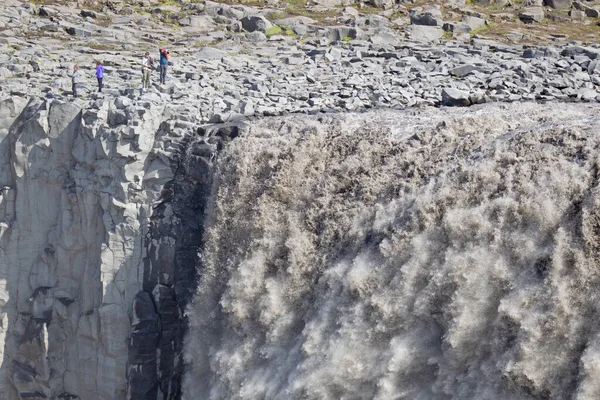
(82, 183)
(173, 244)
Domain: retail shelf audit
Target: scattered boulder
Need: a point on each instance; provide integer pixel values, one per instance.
(385, 4)
(424, 33)
(210, 53)
(533, 3)
(256, 23)
(297, 20)
(199, 22)
(78, 32)
(256, 36)
(474, 22)
(457, 27)
(343, 33)
(589, 11)
(455, 98)
(532, 14)
(558, 4)
(577, 15)
(463, 70)
(87, 13)
(384, 38)
(429, 17)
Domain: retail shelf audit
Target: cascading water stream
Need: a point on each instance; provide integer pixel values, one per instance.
(423, 254)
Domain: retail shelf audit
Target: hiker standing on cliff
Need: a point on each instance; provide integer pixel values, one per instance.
(99, 74)
(147, 67)
(164, 62)
(75, 79)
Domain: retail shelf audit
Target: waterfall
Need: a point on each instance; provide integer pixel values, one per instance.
(421, 254)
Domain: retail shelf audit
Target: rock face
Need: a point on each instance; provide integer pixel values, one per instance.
(100, 220)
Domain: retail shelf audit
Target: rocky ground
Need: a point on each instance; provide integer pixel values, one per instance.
(236, 61)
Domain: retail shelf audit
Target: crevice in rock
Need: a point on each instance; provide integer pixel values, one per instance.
(173, 244)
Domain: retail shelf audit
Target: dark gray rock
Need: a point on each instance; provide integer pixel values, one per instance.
(145, 334)
(559, 4)
(78, 32)
(256, 23)
(532, 14)
(457, 27)
(426, 18)
(88, 13)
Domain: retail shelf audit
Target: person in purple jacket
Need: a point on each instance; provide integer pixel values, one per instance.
(99, 74)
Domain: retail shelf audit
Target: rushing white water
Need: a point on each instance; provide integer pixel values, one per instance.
(426, 254)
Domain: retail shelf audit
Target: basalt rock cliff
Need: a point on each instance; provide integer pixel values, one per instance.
(101, 221)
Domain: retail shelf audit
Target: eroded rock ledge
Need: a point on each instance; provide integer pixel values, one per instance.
(101, 211)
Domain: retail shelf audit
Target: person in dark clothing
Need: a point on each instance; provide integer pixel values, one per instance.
(99, 75)
(164, 62)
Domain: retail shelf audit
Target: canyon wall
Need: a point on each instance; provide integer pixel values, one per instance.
(100, 219)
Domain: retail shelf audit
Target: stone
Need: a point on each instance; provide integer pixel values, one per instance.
(558, 4)
(457, 27)
(256, 23)
(424, 33)
(428, 18)
(474, 22)
(88, 13)
(78, 32)
(385, 38)
(455, 98)
(256, 36)
(384, 4)
(463, 70)
(203, 23)
(577, 15)
(296, 20)
(210, 53)
(533, 14)
(351, 11)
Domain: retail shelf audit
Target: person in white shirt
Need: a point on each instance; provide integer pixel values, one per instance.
(75, 79)
(147, 67)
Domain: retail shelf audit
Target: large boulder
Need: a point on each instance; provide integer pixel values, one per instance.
(199, 22)
(297, 20)
(343, 32)
(424, 33)
(532, 14)
(256, 36)
(384, 37)
(431, 16)
(255, 23)
(474, 22)
(560, 4)
(589, 11)
(455, 98)
(210, 53)
(457, 27)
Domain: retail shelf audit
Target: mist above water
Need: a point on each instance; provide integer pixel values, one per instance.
(426, 254)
